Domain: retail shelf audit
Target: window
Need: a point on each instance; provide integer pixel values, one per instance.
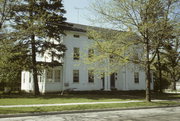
(76, 53)
(151, 79)
(136, 77)
(111, 58)
(76, 36)
(24, 77)
(135, 57)
(90, 53)
(50, 75)
(89, 37)
(90, 76)
(75, 75)
(29, 78)
(40, 78)
(57, 75)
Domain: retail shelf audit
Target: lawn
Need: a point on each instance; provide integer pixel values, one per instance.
(85, 107)
(22, 99)
(39, 100)
(66, 98)
(26, 99)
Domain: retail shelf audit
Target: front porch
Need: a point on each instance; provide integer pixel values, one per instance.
(53, 80)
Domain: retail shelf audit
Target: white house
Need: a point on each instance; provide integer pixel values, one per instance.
(178, 85)
(75, 75)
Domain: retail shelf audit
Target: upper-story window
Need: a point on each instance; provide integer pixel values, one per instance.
(136, 77)
(111, 58)
(76, 36)
(90, 53)
(76, 53)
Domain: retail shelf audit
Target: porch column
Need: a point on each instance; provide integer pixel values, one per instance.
(125, 78)
(107, 83)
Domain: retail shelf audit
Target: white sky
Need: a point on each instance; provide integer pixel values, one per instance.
(77, 11)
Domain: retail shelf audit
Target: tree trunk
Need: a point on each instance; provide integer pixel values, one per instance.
(148, 88)
(174, 85)
(159, 71)
(34, 68)
(0, 25)
(148, 75)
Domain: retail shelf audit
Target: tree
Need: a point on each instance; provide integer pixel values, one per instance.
(167, 63)
(171, 60)
(147, 19)
(12, 61)
(39, 25)
(9, 55)
(168, 40)
(5, 10)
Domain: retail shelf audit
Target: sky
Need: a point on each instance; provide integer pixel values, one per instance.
(77, 11)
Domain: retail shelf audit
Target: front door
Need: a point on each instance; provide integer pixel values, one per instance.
(112, 80)
(103, 78)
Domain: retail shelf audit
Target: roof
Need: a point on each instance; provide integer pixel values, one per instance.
(51, 64)
(75, 27)
(83, 28)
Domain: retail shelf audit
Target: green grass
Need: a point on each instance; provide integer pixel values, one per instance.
(77, 97)
(26, 99)
(66, 98)
(84, 107)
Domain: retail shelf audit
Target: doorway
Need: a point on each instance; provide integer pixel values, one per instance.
(103, 78)
(112, 80)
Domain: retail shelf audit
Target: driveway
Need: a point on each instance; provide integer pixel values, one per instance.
(153, 114)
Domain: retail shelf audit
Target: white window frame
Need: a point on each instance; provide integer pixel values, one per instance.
(136, 77)
(74, 76)
(76, 53)
(91, 77)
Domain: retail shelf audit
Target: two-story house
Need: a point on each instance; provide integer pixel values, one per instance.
(75, 75)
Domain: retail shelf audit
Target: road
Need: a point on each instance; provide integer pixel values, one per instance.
(154, 114)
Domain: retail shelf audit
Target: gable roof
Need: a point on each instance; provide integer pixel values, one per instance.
(82, 28)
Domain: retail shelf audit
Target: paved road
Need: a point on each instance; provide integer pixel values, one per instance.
(156, 114)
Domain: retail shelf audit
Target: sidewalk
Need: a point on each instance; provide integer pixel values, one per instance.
(78, 111)
(66, 104)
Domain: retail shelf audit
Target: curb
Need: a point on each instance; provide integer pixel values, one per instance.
(81, 111)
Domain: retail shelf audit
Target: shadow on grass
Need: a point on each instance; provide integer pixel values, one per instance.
(166, 96)
(95, 95)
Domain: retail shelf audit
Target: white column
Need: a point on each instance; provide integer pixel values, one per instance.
(107, 77)
(44, 80)
(107, 82)
(125, 78)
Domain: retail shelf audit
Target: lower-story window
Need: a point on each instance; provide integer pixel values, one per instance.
(53, 75)
(24, 77)
(50, 75)
(57, 75)
(75, 75)
(91, 76)
(29, 78)
(136, 77)
(40, 78)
